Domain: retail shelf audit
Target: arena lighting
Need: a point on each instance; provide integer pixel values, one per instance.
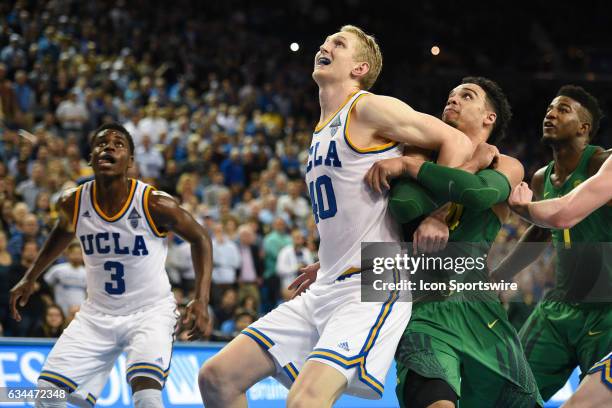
(294, 47)
(435, 50)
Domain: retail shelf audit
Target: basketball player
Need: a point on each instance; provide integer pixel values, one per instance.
(121, 224)
(565, 212)
(326, 342)
(572, 326)
(461, 346)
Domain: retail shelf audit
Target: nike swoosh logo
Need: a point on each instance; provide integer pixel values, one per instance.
(546, 194)
(492, 323)
(594, 333)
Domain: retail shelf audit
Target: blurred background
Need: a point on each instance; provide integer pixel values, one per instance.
(219, 99)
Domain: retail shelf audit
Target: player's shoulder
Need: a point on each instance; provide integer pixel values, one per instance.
(597, 159)
(373, 104)
(160, 201)
(68, 198)
(537, 181)
(511, 168)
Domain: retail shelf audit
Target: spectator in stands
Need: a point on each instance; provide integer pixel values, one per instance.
(294, 204)
(72, 114)
(149, 158)
(53, 324)
(30, 188)
(5, 265)
(68, 279)
(28, 229)
(32, 312)
(290, 259)
(251, 267)
(226, 261)
(273, 242)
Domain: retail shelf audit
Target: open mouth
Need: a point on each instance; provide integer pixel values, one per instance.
(548, 125)
(323, 61)
(106, 158)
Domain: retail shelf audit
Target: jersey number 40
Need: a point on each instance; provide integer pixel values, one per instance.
(323, 204)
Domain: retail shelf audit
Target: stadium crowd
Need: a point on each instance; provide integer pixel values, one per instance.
(221, 119)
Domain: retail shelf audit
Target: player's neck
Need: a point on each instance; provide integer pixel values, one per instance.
(332, 96)
(112, 192)
(567, 156)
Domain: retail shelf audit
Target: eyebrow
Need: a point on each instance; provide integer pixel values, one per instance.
(464, 89)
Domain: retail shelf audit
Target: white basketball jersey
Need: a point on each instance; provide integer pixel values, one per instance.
(124, 254)
(346, 210)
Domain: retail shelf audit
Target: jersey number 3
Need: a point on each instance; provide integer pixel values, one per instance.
(322, 208)
(117, 285)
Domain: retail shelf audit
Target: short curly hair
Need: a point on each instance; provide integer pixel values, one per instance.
(588, 102)
(498, 101)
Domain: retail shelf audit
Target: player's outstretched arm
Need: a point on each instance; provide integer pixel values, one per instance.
(569, 210)
(169, 216)
(58, 240)
(395, 120)
(525, 251)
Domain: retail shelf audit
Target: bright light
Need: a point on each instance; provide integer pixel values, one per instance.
(435, 50)
(294, 47)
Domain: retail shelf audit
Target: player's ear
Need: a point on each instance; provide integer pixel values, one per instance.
(89, 160)
(360, 69)
(585, 129)
(131, 161)
(490, 118)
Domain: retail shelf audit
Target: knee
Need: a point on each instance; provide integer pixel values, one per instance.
(305, 396)
(214, 380)
(209, 377)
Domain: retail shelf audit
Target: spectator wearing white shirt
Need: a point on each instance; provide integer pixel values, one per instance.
(293, 203)
(72, 114)
(68, 279)
(290, 259)
(153, 125)
(226, 261)
(149, 159)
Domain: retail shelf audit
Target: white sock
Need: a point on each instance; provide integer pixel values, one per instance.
(49, 402)
(148, 398)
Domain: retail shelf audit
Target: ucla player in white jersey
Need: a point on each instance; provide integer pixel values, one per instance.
(327, 342)
(121, 224)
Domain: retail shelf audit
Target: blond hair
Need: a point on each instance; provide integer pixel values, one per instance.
(368, 51)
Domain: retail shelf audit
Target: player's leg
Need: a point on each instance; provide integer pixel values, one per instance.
(275, 345)
(149, 335)
(494, 370)
(596, 388)
(358, 340)
(85, 350)
(318, 385)
(428, 372)
(225, 378)
(548, 355)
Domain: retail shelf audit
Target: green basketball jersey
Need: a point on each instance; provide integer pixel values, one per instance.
(471, 234)
(583, 266)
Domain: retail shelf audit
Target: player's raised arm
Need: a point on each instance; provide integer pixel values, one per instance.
(58, 240)
(169, 216)
(395, 120)
(569, 210)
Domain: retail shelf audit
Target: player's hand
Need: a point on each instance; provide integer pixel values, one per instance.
(21, 293)
(382, 172)
(430, 236)
(520, 196)
(196, 319)
(485, 155)
(308, 275)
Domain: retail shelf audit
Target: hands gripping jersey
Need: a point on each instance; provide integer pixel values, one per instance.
(346, 211)
(124, 254)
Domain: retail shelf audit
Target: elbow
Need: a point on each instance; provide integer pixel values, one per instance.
(561, 220)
